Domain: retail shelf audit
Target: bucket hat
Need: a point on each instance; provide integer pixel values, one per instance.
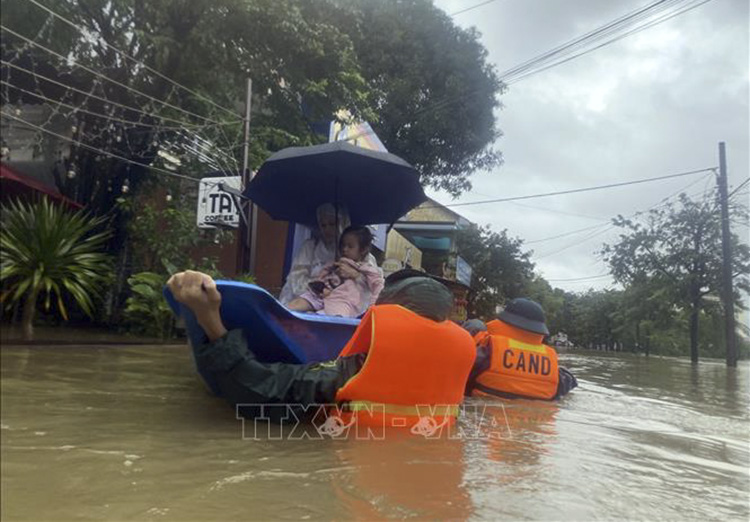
(525, 314)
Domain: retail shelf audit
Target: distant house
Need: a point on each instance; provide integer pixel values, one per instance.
(33, 161)
(428, 234)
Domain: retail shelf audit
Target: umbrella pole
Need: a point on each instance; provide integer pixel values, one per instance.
(336, 206)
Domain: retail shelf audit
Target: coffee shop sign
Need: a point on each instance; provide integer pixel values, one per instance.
(217, 208)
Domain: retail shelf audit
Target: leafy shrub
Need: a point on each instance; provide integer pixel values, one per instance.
(50, 251)
(146, 310)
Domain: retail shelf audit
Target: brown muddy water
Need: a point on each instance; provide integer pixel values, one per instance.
(129, 433)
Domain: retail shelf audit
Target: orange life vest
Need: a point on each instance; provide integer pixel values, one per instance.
(520, 365)
(416, 369)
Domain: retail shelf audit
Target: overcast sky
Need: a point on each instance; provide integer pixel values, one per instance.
(654, 103)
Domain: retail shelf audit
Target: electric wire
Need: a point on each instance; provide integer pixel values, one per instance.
(738, 187)
(104, 76)
(574, 191)
(658, 20)
(555, 211)
(482, 4)
(594, 34)
(100, 151)
(83, 31)
(94, 113)
(105, 100)
(508, 77)
(606, 223)
(600, 276)
(662, 202)
(609, 221)
(180, 129)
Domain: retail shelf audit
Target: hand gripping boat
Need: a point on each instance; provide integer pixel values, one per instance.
(275, 333)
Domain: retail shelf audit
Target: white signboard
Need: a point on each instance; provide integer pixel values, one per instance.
(216, 208)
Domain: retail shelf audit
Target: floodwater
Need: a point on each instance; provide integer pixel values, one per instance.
(129, 433)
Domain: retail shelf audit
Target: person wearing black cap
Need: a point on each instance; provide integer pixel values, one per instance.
(512, 360)
(424, 306)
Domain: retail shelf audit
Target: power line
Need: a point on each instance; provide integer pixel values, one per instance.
(552, 210)
(571, 245)
(105, 100)
(527, 68)
(601, 276)
(568, 233)
(738, 187)
(203, 155)
(103, 76)
(126, 55)
(472, 7)
(520, 72)
(573, 191)
(662, 202)
(615, 39)
(100, 151)
(93, 113)
(594, 34)
(181, 129)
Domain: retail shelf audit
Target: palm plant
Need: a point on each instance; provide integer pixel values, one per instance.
(45, 250)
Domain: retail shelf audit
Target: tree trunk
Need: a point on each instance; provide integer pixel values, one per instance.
(27, 318)
(694, 313)
(637, 336)
(114, 291)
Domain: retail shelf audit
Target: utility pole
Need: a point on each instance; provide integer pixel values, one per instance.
(726, 248)
(246, 232)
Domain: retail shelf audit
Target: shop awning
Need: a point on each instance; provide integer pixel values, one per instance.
(15, 183)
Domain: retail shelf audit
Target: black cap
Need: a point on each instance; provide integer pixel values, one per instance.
(474, 326)
(405, 273)
(525, 314)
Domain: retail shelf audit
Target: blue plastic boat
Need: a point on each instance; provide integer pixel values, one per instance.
(275, 333)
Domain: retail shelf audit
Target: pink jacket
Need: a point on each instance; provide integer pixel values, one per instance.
(349, 299)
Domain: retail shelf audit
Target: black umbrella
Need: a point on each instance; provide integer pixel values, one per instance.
(375, 187)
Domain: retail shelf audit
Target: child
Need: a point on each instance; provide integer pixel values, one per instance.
(336, 295)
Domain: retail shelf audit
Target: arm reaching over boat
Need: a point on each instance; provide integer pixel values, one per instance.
(198, 292)
(406, 356)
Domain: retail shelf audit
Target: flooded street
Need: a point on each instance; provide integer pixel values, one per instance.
(129, 433)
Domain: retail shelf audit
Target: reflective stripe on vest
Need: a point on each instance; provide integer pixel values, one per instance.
(520, 369)
(399, 409)
(415, 367)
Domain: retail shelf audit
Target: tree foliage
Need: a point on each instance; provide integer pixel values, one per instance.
(303, 70)
(674, 258)
(500, 269)
(434, 91)
(146, 310)
(423, 82)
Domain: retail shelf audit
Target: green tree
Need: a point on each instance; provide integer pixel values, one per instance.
(45, 250)
(435, 91)
(678, 248)
(500, 269)
(303, 68)
(553, 301)
(595, 321)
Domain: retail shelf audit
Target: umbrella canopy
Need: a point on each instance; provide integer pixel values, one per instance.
(375, 187)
